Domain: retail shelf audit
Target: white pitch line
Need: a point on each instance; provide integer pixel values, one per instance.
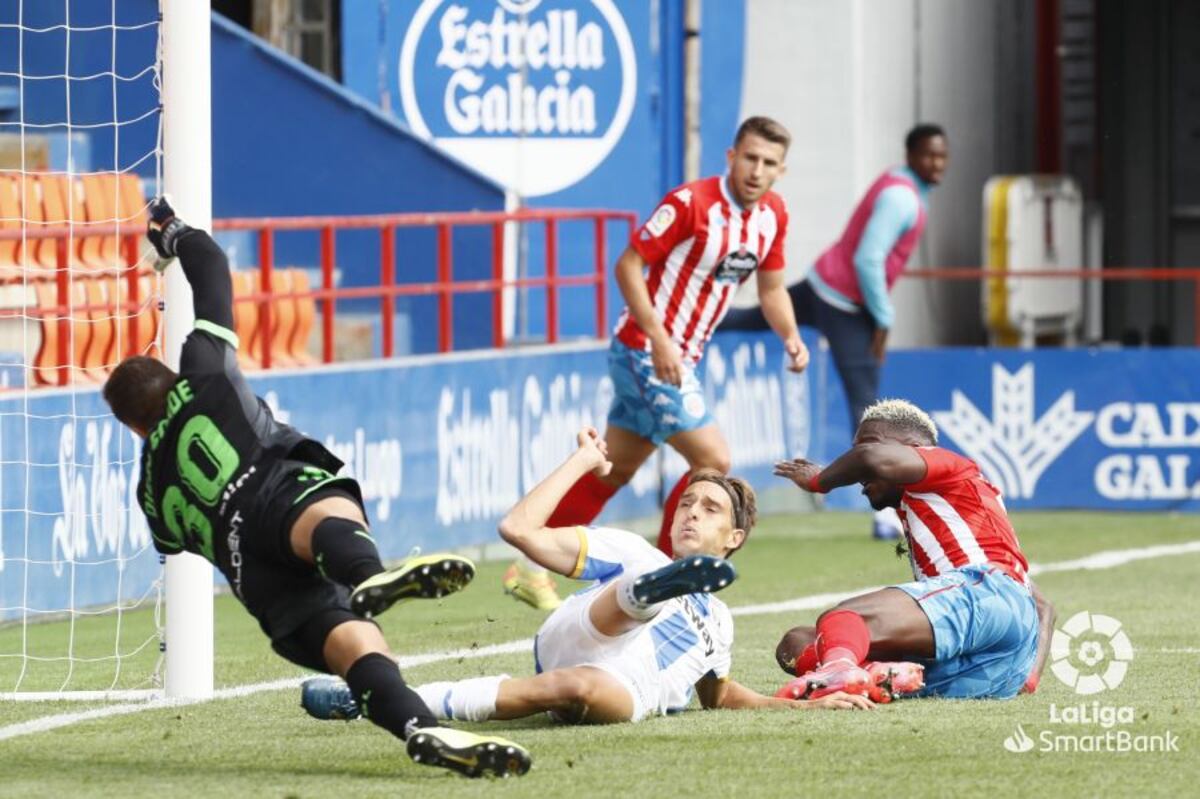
(1101, 560)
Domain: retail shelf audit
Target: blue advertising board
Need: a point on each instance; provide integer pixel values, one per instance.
(1113, 429)
(566, 103)
(443, 446)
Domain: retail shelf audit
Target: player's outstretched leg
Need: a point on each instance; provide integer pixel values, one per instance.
(698, 574)
(424, 577)
(467, 753)
(328, 697)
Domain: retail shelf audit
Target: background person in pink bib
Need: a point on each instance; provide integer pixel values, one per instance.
(845, 294)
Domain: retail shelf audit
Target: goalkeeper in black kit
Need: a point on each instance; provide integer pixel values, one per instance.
(222, 478)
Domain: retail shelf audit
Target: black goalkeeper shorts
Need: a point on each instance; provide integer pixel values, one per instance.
(295, 606)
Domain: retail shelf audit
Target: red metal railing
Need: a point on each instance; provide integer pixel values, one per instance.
(445, 287)
(1150, 274)
(129, 238)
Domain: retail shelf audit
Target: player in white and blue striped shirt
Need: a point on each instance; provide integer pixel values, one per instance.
(647, 634)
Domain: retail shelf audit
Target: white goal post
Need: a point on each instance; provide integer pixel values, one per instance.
(187, 177)
(102, 106)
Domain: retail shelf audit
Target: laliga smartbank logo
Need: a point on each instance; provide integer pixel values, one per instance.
(533, 93)
(1090, 654)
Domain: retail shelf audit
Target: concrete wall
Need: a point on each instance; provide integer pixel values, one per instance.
(849, 79)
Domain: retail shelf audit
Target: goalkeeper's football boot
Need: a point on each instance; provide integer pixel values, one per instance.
(533, 587)
(467, 753)
(697, 574)
(837, 675)
(424, 577)
(327, 698)
(893, 680)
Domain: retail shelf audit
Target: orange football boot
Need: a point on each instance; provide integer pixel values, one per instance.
(890, 681)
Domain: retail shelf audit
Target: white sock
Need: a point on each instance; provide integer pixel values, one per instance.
(464, 700)
(629, 604)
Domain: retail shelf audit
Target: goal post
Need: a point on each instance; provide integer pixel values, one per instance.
(187, 177)
(103, 105)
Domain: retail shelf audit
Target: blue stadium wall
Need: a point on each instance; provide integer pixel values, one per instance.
(443, 446)
(415, 59)
(287, 141)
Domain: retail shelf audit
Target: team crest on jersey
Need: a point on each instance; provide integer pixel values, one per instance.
(661, 220)
(736, 267)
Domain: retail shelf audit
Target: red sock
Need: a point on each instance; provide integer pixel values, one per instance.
(808, 660)
(664, 532)
(583, 502)
(842, 635)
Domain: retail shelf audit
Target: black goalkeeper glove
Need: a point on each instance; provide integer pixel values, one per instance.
(164, 230)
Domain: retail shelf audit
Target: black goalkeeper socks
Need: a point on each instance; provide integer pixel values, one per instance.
(384, 697)
(344, 552)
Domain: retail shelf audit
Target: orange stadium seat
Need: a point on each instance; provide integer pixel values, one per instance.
(245, 318)
(10, 219)
(287, 349)
(306, 314)
(145, 339)
(96, 357)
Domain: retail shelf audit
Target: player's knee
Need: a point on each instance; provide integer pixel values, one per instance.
(574, 694)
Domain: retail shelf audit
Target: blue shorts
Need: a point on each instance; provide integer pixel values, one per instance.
(645, 405)
(985, 630)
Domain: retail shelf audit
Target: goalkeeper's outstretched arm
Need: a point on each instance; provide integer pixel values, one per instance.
(204, 265)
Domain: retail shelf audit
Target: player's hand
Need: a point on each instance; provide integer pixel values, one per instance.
(163, 230)
(840, 700)
(879, 344)
(668, 363)
(798, 470)
(594, 450)
(797, 354)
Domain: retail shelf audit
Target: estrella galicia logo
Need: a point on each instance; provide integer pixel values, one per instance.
(736, 267)
(533, 93)
(1013, 448)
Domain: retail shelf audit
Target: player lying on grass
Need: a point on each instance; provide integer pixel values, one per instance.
(647, 633)
(971, 619)
(220, 477)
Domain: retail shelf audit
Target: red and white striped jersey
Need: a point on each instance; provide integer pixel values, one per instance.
(954, 517)
(700, 246)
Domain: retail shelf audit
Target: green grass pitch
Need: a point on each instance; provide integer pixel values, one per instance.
(264, 745)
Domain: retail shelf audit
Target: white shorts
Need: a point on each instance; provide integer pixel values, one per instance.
(568, 639)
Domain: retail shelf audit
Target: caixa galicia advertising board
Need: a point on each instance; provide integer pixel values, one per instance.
(1078, 428)
(443, 446)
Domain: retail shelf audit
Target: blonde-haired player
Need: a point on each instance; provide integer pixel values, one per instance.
(971, 618)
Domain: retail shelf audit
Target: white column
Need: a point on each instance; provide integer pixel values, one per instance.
(187, 177)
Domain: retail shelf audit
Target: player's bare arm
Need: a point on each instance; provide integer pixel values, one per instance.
(781, 316)
(556, 548)
(631, 279)
(732, 695)
(891, 463)
(1046, 617)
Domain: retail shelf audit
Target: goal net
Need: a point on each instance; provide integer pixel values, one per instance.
(80, 154)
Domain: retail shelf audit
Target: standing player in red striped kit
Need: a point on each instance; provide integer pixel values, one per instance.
(971, 617)
(678, 277)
